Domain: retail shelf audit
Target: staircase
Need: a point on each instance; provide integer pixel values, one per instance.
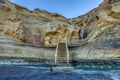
(62, 58)
(62, 55)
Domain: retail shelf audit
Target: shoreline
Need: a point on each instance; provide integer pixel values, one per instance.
(91, 63)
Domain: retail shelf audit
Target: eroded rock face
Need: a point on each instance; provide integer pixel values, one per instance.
(103, 28)
(21, 24)
(102, 39)
(62, 30)
(103, 21)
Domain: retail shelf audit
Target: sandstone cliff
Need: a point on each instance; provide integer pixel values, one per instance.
(103, 21)
(103, 30)
(18, 26)
(21, 24)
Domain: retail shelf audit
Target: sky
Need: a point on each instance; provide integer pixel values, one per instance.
(67, 8)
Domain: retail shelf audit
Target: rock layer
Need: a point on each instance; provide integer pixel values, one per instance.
(21, 24)
(102, 39)
(103, 29)
(102, 21)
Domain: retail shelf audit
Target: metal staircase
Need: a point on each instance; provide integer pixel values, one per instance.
(62, 54)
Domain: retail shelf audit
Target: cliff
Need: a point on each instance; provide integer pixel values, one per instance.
(102, 21)
(21, 24)
(18, 26)
(103, 30)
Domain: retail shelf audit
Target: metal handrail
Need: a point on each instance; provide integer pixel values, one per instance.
(66, 42)
(56, 49)
(67, 50)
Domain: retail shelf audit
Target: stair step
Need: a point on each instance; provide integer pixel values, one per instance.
(62, 56)
(61, 59)
(62, 62)
(62, 53)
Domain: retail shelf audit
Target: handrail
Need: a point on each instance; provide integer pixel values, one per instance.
(67, 50)
(56, 49)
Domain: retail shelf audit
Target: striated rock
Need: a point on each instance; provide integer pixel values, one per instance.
(97, 54)
(21, 24)
(103, 28)
(52, 30)
(102, 21)
(101, 40)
